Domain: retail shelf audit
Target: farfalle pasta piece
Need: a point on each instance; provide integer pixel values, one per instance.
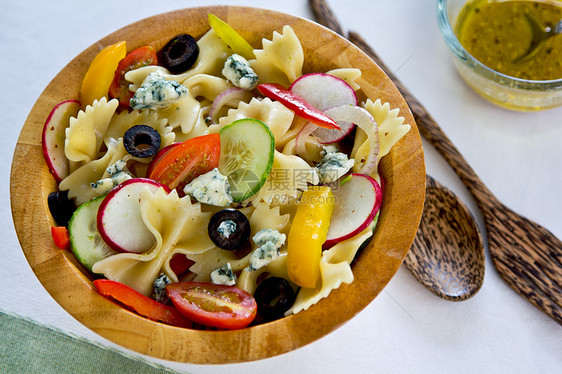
(174, 222)
(78, 182)
(85, 133)
(260, 217)
(289, 175)
(212, 54)
(349, 75)
(265, 217)
(123, 121)
(281, 59)
(207, 262)
(200, 127)
(335, 269)
(390, 130)
(274, 114)
(183, 112)
(247, 280)
(137, 76)
(206, 86)
(312, 149)
(391, 127)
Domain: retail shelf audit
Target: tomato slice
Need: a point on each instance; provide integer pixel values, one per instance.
(135, 59)
(186, 161)
(145, 306)
(156, 159)
(216, 305)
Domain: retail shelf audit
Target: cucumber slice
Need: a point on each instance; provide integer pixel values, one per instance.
(85, 240)
(247, 151)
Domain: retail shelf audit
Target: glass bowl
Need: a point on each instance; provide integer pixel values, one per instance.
(506, 91)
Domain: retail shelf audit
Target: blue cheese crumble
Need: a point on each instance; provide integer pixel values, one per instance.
(117, 175)
(210, 188)
(333, 165)
(224, 275)
(268, 241)
(227, 228)
(238, 71)
(157, 92)
(159, 288)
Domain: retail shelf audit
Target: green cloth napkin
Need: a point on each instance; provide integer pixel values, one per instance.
(28, 347)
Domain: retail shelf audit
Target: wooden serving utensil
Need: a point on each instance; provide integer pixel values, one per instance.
(447, 255)
(526, 255)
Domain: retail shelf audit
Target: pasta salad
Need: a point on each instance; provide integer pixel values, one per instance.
(212, 184)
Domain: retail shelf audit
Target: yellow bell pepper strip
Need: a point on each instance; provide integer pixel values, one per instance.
(297, 104)
(234, 40)
(101, 72)
(307, 234)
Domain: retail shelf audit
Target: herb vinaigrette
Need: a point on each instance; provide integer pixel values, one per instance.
(497, 33)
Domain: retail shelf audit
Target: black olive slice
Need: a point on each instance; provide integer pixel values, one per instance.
(61, 207)
(274, 297)
(179, 54)
(229, 229)
(141, 141)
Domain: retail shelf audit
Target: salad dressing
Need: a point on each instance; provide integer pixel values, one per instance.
(497, 33)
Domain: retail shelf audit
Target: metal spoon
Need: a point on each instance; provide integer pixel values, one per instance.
(540, 34)
(447, 255)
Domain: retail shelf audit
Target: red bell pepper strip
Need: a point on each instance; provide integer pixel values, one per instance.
(60, 237)
(145, 306)
(297, 104)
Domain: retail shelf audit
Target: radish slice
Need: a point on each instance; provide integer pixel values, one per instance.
(365, 121)
(358, 201)
(230, 97)
(119, 220)
(53, 138)
(325, 91)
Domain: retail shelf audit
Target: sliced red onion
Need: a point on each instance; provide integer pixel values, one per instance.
(231, 97)
(300, 141)
(365, 121)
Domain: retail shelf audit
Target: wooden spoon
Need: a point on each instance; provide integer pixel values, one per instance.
(526, 255)
(447, 255)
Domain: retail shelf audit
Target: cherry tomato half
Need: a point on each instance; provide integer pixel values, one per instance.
(156, 159)
(215, 305)
(186, 161)
(135, 59)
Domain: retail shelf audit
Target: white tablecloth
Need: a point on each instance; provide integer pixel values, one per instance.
(406, 329)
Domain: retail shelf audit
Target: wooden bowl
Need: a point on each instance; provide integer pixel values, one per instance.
(70, 285)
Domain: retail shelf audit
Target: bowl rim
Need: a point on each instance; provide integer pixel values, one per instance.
(63, 277)
(463, 55)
